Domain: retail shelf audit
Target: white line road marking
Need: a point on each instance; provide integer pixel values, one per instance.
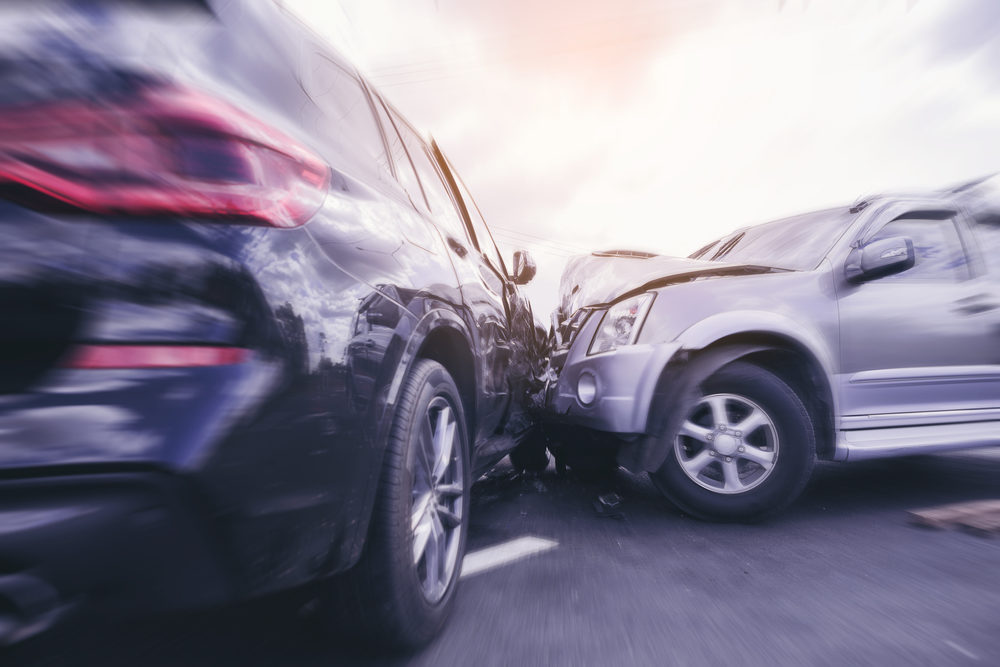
(967, 653)
(501, 554)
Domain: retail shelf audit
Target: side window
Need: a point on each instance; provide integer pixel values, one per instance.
(987, 226)
(348, 123)
(483, 236)
(938, 248)
(441, 204)
(400, 159)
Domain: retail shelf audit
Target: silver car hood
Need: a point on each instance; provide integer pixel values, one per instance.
(600, 278)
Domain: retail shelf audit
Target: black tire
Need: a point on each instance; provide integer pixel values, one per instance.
(722, 481)
(385, 598)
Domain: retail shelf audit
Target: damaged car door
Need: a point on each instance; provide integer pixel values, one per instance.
(502, 313)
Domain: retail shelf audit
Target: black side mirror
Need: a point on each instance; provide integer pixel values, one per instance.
(880, 258)
(524, 268)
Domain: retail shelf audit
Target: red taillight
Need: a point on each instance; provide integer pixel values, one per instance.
(153, 356)
(167, 152)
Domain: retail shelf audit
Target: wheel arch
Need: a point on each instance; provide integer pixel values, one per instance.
(447, 346)
(440, 335)
(796, 362)
(797, 365)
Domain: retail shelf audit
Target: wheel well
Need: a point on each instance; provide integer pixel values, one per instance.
(798, 367)
(449, 348)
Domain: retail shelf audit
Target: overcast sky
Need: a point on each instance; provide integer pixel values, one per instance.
(661, 124)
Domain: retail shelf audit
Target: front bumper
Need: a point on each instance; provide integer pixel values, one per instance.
(625, 381)
(126, 540)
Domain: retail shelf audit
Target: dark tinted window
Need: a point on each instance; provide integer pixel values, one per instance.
(938, 249)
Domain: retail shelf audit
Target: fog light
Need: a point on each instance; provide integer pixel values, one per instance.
(586, 388)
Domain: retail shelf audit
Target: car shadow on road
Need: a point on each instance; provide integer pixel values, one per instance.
(263, 632)
(836, 490)
(273, 632)
(904, 483)
(878, 488)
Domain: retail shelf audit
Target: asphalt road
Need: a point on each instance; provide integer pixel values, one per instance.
(843, 578)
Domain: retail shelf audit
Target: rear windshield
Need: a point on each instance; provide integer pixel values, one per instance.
(798, 243)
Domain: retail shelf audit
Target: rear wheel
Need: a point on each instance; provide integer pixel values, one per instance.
(401, 591)
(745, 450)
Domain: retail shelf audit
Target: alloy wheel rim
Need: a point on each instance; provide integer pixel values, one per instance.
(436, 510)
(728, 444)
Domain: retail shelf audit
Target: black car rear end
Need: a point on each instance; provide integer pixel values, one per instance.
(178, 424)
(233, 281)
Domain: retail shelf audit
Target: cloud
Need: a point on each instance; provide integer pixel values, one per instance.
(660, 125)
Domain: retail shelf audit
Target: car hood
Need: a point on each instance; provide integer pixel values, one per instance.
(601, 278)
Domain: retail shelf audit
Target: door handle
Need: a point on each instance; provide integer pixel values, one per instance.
(973, 305)
(457, 247)
(976, 308)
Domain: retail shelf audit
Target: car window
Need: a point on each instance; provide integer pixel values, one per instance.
(798, 243)
(484, 238)
(703, 252)
(405, 173)
(987, 226)
(348, 115)
(441, 204)
(937, 246)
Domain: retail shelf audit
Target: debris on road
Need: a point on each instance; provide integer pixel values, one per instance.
(539, 486)
(609, 505)
(981, 517)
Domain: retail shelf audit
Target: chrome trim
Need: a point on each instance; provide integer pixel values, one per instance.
(927, 374)
(904, 419)
(876, 443)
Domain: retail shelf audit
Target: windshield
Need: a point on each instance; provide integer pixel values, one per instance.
(799, 243)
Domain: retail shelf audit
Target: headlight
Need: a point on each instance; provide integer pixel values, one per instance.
(621, 324)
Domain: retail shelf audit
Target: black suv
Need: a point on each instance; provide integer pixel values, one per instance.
(255, 331)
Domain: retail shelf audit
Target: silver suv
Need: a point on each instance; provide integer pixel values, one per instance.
(846, 334)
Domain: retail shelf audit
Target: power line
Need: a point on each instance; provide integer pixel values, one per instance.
(553, 248)
(535, 237)
(565, 247)
(523, 241)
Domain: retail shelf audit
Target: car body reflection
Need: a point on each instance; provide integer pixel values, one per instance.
(227, 262)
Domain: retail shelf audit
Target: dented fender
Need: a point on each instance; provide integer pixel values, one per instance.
(743, 322)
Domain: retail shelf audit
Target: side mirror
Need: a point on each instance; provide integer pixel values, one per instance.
(524, 268)
(880, 258)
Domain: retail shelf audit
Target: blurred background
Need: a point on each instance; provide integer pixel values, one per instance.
(578, 125)
(662, 124)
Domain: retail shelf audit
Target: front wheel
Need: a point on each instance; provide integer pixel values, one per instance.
(744, 451)
(400, 593)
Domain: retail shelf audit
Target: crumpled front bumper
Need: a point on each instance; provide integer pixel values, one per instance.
(625, 381)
